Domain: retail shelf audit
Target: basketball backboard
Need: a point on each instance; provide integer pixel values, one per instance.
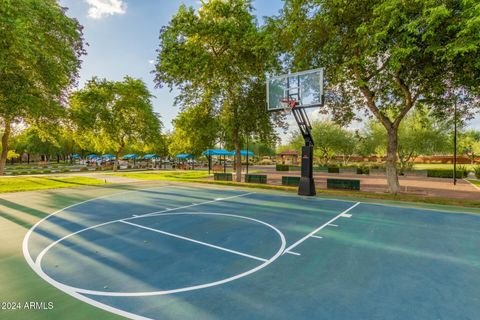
(305, 87)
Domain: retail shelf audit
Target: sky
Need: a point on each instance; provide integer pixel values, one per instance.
(122, 37)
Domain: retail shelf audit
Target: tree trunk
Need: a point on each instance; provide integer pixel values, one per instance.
(238, 157)
(115, 163)
(5, 137)
(391, 165)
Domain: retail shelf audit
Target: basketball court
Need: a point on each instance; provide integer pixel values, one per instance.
(196, 252)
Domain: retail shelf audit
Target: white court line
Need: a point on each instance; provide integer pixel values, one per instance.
(320, 228)
(82, 291)
(40, 256)
(81, 297)
(192, 205)
(318, 237)
(333, 225)
(193, 240)
(294, 253)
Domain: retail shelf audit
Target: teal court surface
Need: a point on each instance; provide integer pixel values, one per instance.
(181, 252)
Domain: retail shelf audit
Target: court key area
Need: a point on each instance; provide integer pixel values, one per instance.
(180, 252)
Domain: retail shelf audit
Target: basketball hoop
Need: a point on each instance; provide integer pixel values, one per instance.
(288, 105)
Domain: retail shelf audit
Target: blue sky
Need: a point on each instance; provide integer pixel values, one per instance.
(123, 36)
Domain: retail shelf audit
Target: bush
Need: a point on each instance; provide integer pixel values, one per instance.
(476, 170)
(83, 169)
(23, 172)
(282, 167)
(35, 172)
(266, 161)
(363, 170)
(333, 170)
(47, 171)
(64, 170)
(442, 173)
(55, 166)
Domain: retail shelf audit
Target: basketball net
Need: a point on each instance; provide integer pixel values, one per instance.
(288, 105)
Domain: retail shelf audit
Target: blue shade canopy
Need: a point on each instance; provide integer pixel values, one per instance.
(130, 156)
(245, 152)
(184, 156)
(75, 156)
(218, 152)
(92, 156)
(108, 156)
(150, 156)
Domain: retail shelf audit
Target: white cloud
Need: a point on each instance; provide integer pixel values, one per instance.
(151, 61)
(102, 8)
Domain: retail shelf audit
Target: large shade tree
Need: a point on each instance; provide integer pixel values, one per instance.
(40, 49)
(420, 133)
(110, 116)
(218, 55)
(385, 57)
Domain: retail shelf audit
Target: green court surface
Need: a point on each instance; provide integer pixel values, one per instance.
(188, 252)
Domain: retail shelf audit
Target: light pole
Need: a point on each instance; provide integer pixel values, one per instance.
(455, 142)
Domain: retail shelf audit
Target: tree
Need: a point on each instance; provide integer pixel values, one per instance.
(196, 130)
(40, 49)
(110, 116)
(330, 140)
(218, 56)
(469, 144)
(419, 134)
(386, 56)
(33, 140)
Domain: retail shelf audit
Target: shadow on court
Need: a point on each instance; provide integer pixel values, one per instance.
(177, 252)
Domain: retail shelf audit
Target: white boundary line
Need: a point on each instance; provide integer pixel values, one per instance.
(70, 289)
(294, 253)
(474, 185)
(320, 228)
(191, 205)
(31, 263)
(193, 240)
(318, 237)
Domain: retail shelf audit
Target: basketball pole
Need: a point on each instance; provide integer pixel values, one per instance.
(306, 186)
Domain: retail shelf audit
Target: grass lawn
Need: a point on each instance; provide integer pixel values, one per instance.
(13, 184)
(439, 166)
(475, 182)
(165, 175)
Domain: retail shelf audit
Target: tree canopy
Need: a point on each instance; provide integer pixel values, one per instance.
(384, 57)
(218, 56)
(40, 49)
(110, 116)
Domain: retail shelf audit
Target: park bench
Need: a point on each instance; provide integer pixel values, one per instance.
(345, 184)
(222, 176)
(290, 181)
(256, 178)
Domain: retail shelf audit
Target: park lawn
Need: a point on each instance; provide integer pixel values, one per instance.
(475, 182)
(14, 184)
(165, 175)
(441, 166)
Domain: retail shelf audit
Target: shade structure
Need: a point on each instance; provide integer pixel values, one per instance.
(184, 156)
(108, 156)
(218, 152)
(150, 156)
(130, 156)
(75, 156)
(92, 156)
(244, 153)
